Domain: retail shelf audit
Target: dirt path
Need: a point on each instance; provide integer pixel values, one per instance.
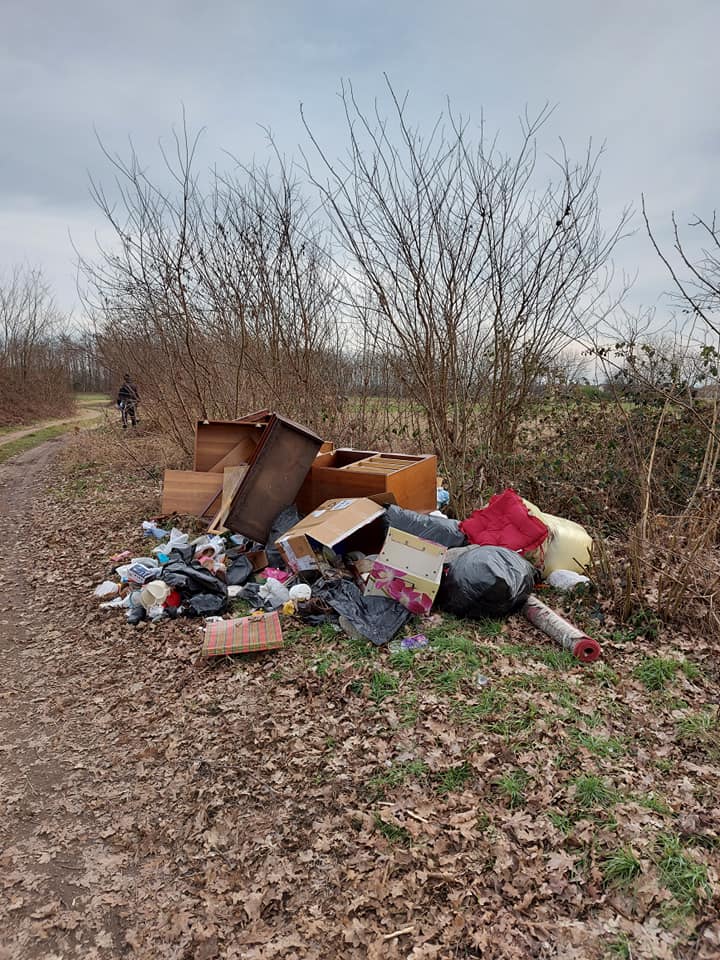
(46, 791)
(89, 413)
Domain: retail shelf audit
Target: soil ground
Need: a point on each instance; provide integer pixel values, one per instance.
(329, 800)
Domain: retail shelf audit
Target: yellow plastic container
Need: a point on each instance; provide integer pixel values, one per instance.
(569, 545)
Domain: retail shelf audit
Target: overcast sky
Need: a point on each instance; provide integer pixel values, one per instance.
(637, 74)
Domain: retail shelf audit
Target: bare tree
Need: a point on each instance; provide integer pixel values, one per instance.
(32, 379)
(476, 279)
(218, 294)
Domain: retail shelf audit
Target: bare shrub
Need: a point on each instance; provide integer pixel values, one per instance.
(220, 298)
(33, 380)
(470, 278)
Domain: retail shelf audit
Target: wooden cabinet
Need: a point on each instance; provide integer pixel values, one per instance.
(412, 479)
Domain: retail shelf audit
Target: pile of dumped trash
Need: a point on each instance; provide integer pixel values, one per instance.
(365, 563)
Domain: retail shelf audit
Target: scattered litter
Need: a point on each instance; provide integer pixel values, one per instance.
(437, 528)
(275, 573)
(353, 538)
(119, 557)
(566, 579)
(154, 593)
(152, 530)
(569, 545)
(408, 643)
(374, 618)
(117, 602)
(300, 592)
(108, 588)
(274, 593)
(138, 573)
(553, 625)
(506, 522)
(338, 525)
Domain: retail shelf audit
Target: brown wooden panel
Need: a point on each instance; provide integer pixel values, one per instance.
(276, 473)
(329, 484)
(347, 473)
(415, 486)
(232, 478)
(225, 443)
(186, 491)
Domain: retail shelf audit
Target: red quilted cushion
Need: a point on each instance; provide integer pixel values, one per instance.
(505, 522)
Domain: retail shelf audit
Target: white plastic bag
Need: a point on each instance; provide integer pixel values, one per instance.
(566, 579)
(108, 588)
(275, 592)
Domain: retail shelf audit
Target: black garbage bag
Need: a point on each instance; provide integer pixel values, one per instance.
(438, 529)
(206, 605)
(182, 554)
(377, 619)
(484, 582)
(190, 579)
(239, 571)
(281, 524)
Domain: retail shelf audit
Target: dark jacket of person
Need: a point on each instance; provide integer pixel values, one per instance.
(128, 392)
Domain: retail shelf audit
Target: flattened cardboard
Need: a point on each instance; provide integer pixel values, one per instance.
(408, 569)
(333, 523)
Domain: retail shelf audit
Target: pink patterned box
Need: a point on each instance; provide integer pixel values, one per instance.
(408, 569)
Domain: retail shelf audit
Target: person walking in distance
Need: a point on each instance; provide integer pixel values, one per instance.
(128, 399)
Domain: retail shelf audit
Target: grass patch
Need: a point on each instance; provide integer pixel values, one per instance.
(698, 727)
(383, 685)
(394, 776)
(592, 791)
(512, 786)
(552, 657)
(684, 877)
(652, 801)
(359, 650)
(655, 672)
(561, 821)
(604, 675)
(15, 447)
(392, 832)
(620, 867)
(619, 948)
(516, 722)
(91, 399)
(603, 747)
(488, 703)
(691, 670)
(454, 778)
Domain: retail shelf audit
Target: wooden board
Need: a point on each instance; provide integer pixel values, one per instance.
(232, 478)
(276, 473)
(188, 492)
(225, 443)
(347, 473)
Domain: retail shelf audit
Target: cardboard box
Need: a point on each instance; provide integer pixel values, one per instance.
(339, 525)
(246, 635)
(408, 569)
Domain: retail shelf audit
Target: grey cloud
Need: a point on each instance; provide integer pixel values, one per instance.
(640, 76)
